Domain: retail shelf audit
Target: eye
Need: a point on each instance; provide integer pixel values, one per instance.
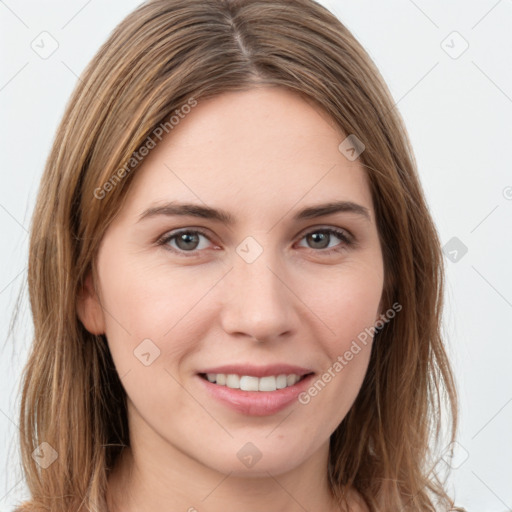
(189, 241)
(320, 239)
(183, 241)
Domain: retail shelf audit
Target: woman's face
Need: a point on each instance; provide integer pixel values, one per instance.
(274, 290)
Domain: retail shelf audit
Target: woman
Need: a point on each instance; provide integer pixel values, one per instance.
(235, 279)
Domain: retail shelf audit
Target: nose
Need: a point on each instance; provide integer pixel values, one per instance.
(258, 302)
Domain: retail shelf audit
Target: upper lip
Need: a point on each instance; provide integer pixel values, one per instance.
(258, 371)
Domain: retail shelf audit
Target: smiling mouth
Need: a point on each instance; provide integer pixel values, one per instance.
(252, 383)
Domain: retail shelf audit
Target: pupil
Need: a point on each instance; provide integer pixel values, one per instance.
(319, 237)
(186, 238)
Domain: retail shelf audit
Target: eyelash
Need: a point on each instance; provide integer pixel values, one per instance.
(342, 235)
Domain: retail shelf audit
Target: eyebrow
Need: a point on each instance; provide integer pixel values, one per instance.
(206, 212)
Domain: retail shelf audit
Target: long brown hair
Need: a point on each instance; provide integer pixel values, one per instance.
(161, 56)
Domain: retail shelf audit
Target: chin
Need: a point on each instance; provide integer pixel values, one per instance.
(255, 460)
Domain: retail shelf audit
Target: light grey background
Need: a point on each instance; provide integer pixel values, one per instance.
(457, 106)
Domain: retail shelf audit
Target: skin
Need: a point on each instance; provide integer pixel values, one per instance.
(261, 155)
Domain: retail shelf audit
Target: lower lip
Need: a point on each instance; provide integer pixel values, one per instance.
(256, 403)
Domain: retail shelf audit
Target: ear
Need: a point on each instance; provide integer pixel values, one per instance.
(89, 309)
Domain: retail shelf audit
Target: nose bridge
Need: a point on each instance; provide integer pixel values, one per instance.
(258, 302)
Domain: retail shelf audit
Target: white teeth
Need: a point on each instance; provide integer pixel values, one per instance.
(267, 383)
(250, 383)
(281, 382)
(290, 380)
(233, 381)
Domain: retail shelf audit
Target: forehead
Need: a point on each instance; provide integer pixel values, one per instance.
(265, 148)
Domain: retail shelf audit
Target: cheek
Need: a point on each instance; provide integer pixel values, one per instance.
(347, 305)
(150, 300)
(348, 310)
(150, 328)
(154, 314)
